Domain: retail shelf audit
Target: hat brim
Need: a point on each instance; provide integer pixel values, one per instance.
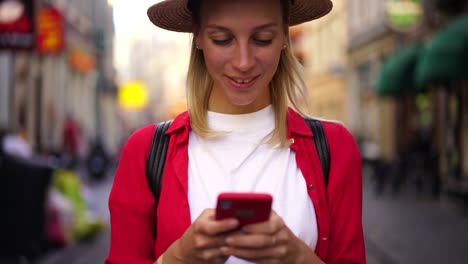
(173, 14)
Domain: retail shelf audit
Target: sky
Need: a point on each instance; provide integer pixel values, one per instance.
(131, 22)
(171, 51)
(130, 16)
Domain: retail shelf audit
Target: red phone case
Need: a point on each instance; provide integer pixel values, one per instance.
(248, 208)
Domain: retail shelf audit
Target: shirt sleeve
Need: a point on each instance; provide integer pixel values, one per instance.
(345, 198)
(131, 205)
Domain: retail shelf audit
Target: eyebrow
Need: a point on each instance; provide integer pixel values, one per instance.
(261, 27)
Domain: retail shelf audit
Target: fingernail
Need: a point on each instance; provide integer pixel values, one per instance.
(229, 240)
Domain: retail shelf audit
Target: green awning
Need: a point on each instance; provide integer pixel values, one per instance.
(446, 56)
(397, 74)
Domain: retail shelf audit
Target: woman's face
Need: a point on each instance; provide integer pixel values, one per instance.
(242, 42)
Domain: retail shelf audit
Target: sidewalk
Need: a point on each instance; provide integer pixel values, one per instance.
(406, 229)
(90, 252)
(95, 250)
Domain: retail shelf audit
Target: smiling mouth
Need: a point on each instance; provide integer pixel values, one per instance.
(242, 83)
(243, 80)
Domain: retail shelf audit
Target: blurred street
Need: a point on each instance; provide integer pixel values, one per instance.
(410, 229)
(95, 249)
(78, 77)
(403, 229)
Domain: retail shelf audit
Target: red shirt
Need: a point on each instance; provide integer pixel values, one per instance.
(338, 207)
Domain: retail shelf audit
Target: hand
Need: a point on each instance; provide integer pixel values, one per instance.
(269, 242)
(202, 241)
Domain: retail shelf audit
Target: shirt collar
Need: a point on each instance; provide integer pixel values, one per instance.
(182, 121)
(296, 124)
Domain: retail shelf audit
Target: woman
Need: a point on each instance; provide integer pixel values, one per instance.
(239, 135)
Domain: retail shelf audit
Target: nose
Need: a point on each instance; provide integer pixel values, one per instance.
(244, 57)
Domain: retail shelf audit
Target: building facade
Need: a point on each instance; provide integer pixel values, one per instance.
(370, 42)
(71, 80)
(323, 51)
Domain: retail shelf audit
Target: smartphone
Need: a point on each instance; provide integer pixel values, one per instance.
(247, 207)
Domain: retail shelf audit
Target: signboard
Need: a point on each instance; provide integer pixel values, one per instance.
(16, 24)
(81, 61)
(404, 15)
(50, 31)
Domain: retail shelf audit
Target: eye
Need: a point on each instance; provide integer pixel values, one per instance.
(263, 38)
(263, 42)
(222, 42)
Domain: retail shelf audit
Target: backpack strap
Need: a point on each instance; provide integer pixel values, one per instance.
(321, 143)
(157, 159)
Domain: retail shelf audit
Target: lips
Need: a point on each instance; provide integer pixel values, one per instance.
(242, 83)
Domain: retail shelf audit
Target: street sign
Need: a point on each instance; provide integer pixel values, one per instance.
(404, 15)
(50, 31)
(17, 24)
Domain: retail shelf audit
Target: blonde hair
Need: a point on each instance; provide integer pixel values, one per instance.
(286, 85)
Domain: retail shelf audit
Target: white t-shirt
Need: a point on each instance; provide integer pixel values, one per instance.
(242, 161)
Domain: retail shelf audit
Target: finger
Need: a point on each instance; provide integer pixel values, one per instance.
(256, 254)
(214, 255)
(251, 240)
(213, 228)
(207, 213)
(206, 224)
(273, 225)
(203, 242)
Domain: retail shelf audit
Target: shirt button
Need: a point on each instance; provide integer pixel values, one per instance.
(324, 238)
(291, 140)
(311, 187)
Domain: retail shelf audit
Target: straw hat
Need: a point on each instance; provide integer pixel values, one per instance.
(175, 16)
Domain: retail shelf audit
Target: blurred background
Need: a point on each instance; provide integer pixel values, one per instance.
(77, 77)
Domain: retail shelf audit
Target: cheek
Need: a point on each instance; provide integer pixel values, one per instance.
(215, 62)
(270, 60)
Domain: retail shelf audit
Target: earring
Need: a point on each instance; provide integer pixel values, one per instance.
(198, 47)
(285, 46)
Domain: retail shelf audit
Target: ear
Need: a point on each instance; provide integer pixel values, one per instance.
(286, 40)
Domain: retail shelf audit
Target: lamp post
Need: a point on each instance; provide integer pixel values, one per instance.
(100, 46)
(101, 82)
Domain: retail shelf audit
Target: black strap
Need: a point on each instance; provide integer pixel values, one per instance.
(157, 159)
(321, 144)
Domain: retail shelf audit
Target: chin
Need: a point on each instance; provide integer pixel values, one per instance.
(242, 101)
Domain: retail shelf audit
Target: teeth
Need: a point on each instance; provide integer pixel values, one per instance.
(240, 81)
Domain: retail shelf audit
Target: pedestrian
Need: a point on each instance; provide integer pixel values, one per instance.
(97, 160)
(72, 140)
(240, 135)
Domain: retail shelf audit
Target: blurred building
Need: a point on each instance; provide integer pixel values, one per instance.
(398, 100)
(160, 60)
(321, 46)
(370, 42)
(69, 72)
(448, 85)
